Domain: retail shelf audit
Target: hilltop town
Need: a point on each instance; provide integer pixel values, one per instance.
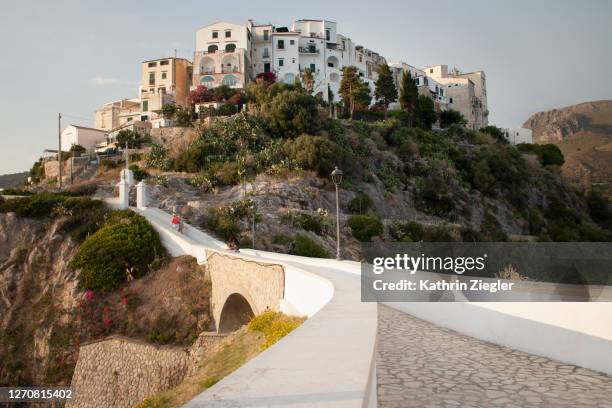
(233, 55)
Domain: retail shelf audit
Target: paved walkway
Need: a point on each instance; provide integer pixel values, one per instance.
(422, 365)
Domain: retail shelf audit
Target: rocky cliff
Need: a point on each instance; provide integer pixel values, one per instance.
(583, 132)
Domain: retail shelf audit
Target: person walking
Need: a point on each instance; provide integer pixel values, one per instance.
(175, 221)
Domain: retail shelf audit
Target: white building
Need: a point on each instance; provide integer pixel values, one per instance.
(519, 135)
(80, 135)
(465, 92)
(232, 54)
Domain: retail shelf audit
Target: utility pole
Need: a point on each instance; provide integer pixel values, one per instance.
(59, 150)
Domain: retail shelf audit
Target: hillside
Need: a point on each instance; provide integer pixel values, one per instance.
(12, 180)
(583, 132)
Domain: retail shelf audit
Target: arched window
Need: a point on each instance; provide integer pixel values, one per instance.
(212, 49)
(208, 81)
(229, 80)
(230, 47)
(289, 78)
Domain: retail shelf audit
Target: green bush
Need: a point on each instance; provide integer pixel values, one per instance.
(451, 117)
(34, 206)
(292, 112)
(304, 246)
(139, 174)
(315, 153)
(157, 157)
(548, 154)
(126, 245)
(364, 227)
(360, 204)
(222, 224)
(307, 222)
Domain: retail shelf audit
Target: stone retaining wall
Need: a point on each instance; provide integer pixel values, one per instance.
(119, 372)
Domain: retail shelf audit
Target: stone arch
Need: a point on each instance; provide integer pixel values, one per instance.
(236, 312)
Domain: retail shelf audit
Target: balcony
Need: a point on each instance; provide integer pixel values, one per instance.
(308, 50)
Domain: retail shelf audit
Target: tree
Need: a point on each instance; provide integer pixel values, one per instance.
(451, 117)
(292, 112)
(269, 77)
(168, 110)
(129, 138)
(77, 148)
(385, 87)
(199, 95)
(308, 80)
(222, 93)
(425, 113)
(352, 89)
(409, 95)
(183, 117)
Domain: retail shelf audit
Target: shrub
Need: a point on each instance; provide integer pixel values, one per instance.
(304, 246)
(127, 245)
(548, 154)
(497, 133)
(139, 174)
(228, 173)
(360, 204)
(315, 153)
(292, 112)
(34, 206)
(129, 138)
(157, 158)
(451, 117)
(274, 326)
(306, 222)
(364, 227)
(221, 223)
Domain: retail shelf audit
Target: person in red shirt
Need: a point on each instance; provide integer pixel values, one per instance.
(175, 221)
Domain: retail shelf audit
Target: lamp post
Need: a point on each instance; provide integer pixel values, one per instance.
(254, 209)
(336, 176)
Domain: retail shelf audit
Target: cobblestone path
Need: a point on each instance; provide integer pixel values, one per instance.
(422, 365)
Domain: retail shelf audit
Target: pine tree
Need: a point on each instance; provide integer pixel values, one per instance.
(308, 81)
(409, 95)
(385, 87)
(352, 89)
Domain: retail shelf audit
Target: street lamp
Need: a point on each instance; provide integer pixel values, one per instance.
(254, 210)
(336, 176)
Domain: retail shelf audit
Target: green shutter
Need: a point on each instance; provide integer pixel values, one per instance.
(145, 106)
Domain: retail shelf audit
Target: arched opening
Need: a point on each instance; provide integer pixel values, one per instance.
(333, 62)
(236, 313)
(212, 49)
(229, 63)
(207, 65)
(230, 48)
(289, 78)
(334, 77)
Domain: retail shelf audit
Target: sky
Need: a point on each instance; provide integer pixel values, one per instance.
(73, 56)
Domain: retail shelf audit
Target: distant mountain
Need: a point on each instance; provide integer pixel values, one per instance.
(584, 133)
(13, 180)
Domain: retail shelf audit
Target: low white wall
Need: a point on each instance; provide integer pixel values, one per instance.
(305, 293)
(575, 333)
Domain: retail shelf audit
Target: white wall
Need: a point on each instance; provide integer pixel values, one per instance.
(519, 135)
(88, 138)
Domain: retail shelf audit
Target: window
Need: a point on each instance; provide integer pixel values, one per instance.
(151, 78)
(229, 80)
(145, 106)
(266, 35)
(293, 60)
(164, 62)
(215, 34)
(164, 75)
(161, 90)
(228, 34)
(151, 90)
(266, 53)
(289, 78)
(208, 81)
(291, 42)
(152, 64)
(312, 68)
(230, 47)
(281, 44)
(129, 119)
(212, 49)
(327, 34)
(281, 62)
(267, 67)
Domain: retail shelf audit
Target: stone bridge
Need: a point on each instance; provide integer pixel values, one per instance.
(242, 288)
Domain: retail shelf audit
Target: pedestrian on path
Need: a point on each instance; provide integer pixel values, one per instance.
(176, 222)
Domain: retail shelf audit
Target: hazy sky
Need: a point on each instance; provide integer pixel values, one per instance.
(73, 56)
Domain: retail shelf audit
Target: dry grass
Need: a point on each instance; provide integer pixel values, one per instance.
(230, 354)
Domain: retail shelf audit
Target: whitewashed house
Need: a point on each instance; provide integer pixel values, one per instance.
(80, 135)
